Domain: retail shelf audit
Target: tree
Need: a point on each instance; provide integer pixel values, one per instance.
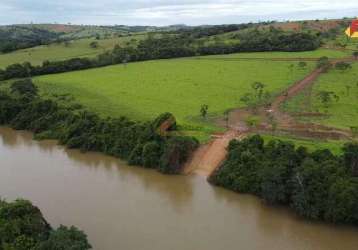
(323, 63)
(343, 66)
(204, 110)
(94, 45)
(27, 68)
(302, 65)
(21, 223)
(350, 156)
(274, 183)
(24, 87)
(355, 54)
(258, 87)
(2, 75)
(258, 97)
(342, 202)
(17, 71)
(65, 238)
(327, 97)
(177, 151)
(316, 185)
(311, 183)
(151, 154)
(248, 99)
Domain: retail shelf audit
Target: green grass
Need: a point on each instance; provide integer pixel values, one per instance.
(334, 146)
(143, 90)
(341, 114)
(54, 52)
(350, 43)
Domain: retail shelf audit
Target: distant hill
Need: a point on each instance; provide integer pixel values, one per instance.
(16, 37)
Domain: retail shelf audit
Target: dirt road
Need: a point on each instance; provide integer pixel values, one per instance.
(209, 156)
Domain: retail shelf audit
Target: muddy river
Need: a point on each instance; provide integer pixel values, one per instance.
(129, 208)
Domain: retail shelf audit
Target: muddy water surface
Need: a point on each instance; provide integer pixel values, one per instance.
(128, 208)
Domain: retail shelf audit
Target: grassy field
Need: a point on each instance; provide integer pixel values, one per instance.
(81, 48)
(342, 113)
(145, 89)
(311, 145)
(53, 52)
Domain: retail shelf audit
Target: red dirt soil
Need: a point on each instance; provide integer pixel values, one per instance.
(209, 156)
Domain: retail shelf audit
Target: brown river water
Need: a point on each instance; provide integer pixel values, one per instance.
(129, 208)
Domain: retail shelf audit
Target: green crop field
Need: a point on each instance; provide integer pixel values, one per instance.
(145, 89)
(342, 113)
(54, 52)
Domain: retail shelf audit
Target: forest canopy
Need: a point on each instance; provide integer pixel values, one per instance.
(317, 185)
(23, 227)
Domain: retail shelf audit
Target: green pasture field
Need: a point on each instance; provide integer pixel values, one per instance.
(143, 90)
(55, 52)
(342, 113)
(334, 146)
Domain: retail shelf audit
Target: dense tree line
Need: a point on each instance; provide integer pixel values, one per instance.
(274, 39)
(148, 144)
(172, 46)
(211, 30)
(316, 185)
(23, 227)
(21, 37)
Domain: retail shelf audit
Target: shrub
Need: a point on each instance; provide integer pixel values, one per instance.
(177, 150)
(151, 154)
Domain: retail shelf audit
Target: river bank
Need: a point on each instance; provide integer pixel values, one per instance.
(133, 208)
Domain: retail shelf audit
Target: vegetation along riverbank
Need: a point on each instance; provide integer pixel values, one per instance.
(23, 227)
(150, 144)
(316, 185)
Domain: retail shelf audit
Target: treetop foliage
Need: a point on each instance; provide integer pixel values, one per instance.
(23, 227)
(21, 37)
(317, 185)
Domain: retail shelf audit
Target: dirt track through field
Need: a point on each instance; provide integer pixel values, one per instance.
(209, 156)
(295, 89)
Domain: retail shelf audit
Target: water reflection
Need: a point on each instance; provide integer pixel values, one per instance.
(177, 189)
(12, 139)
